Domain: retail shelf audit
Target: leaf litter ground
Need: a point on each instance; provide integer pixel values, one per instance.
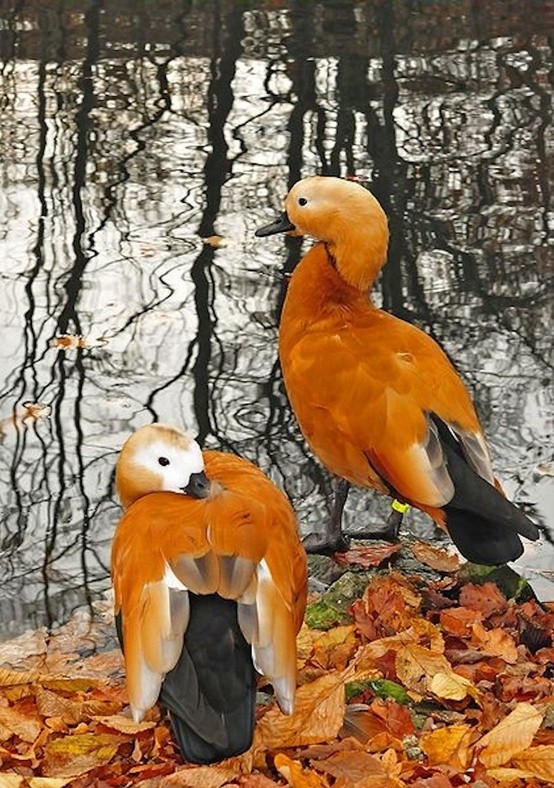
(431, 679)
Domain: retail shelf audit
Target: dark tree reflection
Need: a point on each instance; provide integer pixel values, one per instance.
(130, 132)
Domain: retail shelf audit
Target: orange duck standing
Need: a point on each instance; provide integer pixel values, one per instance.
(209, 578)
(376, 398)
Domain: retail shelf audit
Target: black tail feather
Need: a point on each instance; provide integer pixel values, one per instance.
(211, 692)
(483, 524)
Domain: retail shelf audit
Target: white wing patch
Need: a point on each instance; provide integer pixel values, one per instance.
(266, 625)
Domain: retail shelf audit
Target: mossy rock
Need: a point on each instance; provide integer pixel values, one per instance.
(331, 608)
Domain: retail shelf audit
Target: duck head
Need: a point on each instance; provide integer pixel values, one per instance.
(346, 217)
(160, 458)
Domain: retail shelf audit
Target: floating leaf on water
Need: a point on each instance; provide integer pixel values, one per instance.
(76, 342)
(216, 241)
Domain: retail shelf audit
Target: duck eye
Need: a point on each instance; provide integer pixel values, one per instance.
(163, 460)
(302, 201)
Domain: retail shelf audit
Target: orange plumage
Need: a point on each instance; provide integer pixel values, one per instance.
(376, 398)
(232, 557)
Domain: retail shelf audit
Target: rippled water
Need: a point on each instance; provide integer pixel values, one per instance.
(130, 132)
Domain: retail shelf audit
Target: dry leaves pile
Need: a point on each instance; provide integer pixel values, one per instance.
(435, 685)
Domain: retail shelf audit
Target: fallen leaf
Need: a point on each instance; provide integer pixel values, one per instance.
(511, 736)
(351, 767)
(367, 556)
(318, 715)
(451, 685)
(118, 722)
(458, 620)
(487, 598)
(48, 782)
(334, 648)
(26, 727)
(435, 557)
(296, 776)
(71, 756)
(199, 777)
(448, 745)
(256, 781)
(10, 678)
(417, 666)
(538, 761)
(11, 780)
(495, 643)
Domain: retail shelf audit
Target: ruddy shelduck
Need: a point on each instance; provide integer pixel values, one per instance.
(209, 578)
(376, 398)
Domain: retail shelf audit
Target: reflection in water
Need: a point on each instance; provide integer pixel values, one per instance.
(130, 132)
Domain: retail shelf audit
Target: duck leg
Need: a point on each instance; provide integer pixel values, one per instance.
(392, 525)
(333, 540)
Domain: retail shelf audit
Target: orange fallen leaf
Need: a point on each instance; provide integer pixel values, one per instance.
(318, 715)
(538, 761)
(458, 620)
(487, 598)
(495, 643)
(71, 756)
(435, 557)
(449, 745)
(26, 727)
(365, 557)
(334, 648)
(118, 722)
(296, 776)
(10, 678)
(423, 670)
(511, 736)
(351, 767)
(199, 777)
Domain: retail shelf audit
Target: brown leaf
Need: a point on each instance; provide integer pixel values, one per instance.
(256, 781)
(511, 736)
(487, 598)
(25, 727)
(351, 766)
(199, 777)
(435, 557)
(448, 745)
(48, 782)
(296, 776)
(118, 722)
(538, 761)
(334, 648)
(10, 678)
(458, 620)
(495, 643)
(373, 555)
(417, 667)
(71, 756)
(50, 704)
(318, 715)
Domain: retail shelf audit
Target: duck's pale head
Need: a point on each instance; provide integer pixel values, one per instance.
(345, 216)
(160, 458)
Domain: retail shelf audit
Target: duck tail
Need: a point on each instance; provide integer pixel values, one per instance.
(483, 524)
(211, 692)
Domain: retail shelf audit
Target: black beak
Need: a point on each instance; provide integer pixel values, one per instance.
(282, 224)
(198, 486)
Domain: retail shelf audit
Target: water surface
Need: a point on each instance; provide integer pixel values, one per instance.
(130, 131)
